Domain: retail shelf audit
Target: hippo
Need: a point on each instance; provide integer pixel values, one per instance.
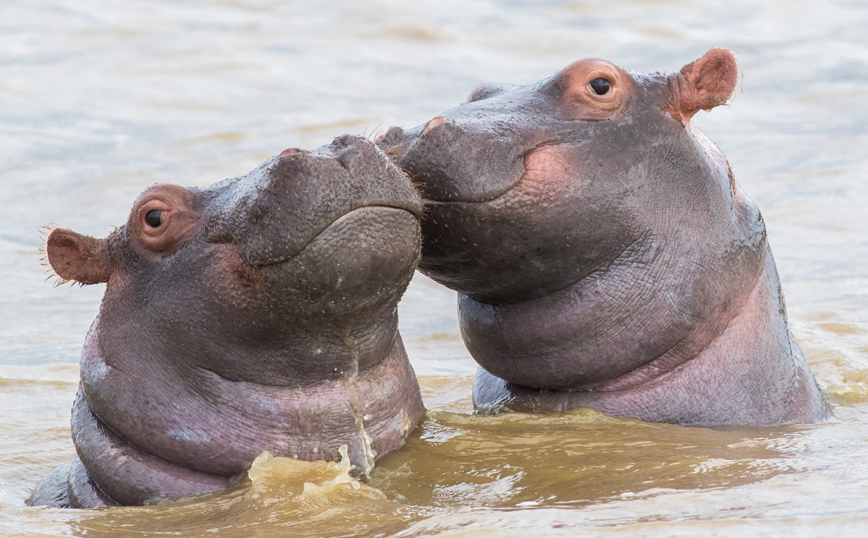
(603, 254)
(256, 314)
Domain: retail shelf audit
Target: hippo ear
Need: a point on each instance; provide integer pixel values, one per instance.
(704, 84)
(77, 257)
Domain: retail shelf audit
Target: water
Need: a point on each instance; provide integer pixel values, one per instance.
(100, 99)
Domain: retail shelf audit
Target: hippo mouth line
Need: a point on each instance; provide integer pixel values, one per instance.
(434, 201)
(415, 211)
(523, 157)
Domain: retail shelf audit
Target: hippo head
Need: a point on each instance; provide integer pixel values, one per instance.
(531, 188)
(604, 254)
(600, 245)
(259, 313)
(286, 276)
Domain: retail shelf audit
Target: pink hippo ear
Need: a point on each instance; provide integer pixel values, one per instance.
(703, 84)
(77, 257)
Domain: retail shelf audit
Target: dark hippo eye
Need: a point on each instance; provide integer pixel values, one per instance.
(154, 218)
(600, 86)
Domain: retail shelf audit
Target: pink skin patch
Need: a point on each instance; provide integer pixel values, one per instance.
(290, 151)
(546, 166)
(548, 171)
(436, 122)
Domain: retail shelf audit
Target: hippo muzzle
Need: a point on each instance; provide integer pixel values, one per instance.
(275, 211)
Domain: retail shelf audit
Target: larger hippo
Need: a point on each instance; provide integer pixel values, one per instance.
(259, 313)
(603, 253)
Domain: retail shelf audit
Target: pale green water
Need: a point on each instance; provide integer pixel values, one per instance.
(100, 99)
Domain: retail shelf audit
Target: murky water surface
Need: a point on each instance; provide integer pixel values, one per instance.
(101, 99)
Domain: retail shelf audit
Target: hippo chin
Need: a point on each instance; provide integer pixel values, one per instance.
(603, 253)
(259, 313)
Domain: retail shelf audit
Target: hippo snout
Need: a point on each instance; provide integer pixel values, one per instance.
(393, 140)
(275, 211)
(457, 159)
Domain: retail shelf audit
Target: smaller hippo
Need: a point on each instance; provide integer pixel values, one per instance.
(259, 313)
(603, 253)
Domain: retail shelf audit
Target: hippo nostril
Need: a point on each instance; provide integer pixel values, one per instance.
(436, 122)
(290, 151)
(392, 135)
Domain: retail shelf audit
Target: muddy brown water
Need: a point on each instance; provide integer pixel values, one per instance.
(101, 99)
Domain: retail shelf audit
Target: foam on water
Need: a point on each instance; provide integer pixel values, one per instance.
(276, 497)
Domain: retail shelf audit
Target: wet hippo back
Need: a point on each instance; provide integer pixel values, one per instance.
(259, 313)
(604, 254)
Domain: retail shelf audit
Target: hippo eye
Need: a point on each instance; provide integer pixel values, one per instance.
(154, 218)
(600, 86)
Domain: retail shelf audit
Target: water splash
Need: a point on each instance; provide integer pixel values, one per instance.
(276, 497)
(368, 452)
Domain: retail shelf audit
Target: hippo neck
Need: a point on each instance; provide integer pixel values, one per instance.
(308, 355)
(753, 373)
(294, 349)
(217, 426)
(616, 327)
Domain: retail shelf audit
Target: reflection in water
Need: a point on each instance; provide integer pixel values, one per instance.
(568, 459)
(101, 99)
(839, 356)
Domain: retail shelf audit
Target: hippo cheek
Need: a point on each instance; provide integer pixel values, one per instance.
(462, 231)
(528, 241)
(549, 173)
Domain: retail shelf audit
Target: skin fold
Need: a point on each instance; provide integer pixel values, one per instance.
(259, 313)
(603, 253)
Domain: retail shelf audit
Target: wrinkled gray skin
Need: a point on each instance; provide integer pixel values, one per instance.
(265, 318)
(603, 253)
